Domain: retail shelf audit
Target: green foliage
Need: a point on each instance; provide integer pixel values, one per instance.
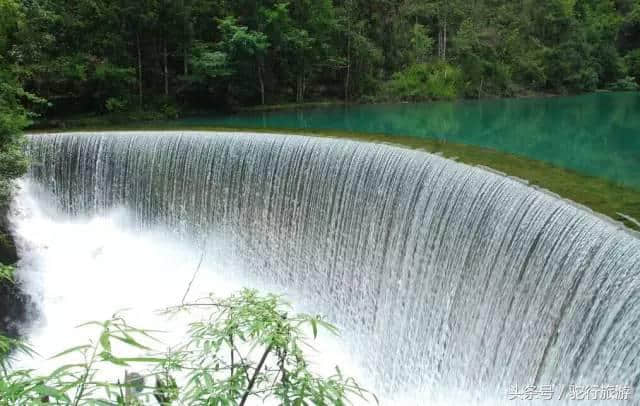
(11, 18)
(632, 63)
(208, 64)
(247, 348)
(203, 55)
(9, 349)
(625, 84)
(240, 41)
(434, 81)
(6, 273)
(115, 105)
(170, 111)
(14, 117)
(111, 83)
(421, 43)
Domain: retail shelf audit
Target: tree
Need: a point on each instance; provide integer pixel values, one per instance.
(358, 58)
(208, 64)
(14, 117)
(246, 49)
(94, 57)
(421, 43)
(307, 41)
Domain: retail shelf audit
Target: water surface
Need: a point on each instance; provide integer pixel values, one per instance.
(596, 134)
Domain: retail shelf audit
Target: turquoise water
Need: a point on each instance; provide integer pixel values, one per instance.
(596, 134)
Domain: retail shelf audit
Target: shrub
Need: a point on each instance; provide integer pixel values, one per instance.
(170, 111)
(115, 105)
(426, 81)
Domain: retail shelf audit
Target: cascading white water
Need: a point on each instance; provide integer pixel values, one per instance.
(83, 269)
(450, 282)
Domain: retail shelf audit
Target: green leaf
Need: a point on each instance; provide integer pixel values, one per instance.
(104, 341)
(143, 359)
(127, 339)
(44, 390)
(90, 323)
(70, 350)
(64, 368)
(107, 356)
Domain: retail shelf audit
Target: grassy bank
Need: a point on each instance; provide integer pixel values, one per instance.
(600, 195)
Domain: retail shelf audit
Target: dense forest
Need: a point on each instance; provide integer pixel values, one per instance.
(167, 56)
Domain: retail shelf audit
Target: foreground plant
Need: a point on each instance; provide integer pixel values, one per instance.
(246, 349)
(6, 272)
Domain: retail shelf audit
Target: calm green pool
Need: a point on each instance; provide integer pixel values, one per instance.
(596, 134)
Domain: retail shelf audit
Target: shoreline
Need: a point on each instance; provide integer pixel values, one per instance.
(109, 119)
(382, 101)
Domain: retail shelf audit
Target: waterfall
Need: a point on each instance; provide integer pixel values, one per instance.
(443, 276)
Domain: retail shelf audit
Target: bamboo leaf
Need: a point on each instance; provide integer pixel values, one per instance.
(64, 368)
(143, 359)
(104, 341)
(71, 350)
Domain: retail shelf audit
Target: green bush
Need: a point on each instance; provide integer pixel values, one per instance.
(115, 105)
(426, 81)
(170, 111)
(13, 119)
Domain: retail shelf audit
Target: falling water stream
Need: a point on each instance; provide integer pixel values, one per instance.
(450, 283)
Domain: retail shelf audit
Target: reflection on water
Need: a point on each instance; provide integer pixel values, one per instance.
(596, 134)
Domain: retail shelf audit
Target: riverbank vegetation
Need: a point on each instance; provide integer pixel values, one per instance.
(246, 348)
(156, 59)
(13, 115)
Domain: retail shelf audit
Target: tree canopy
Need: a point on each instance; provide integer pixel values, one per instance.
(13, 98)
(116, 56)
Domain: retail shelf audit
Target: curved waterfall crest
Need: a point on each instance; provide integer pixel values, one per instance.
(450, 276)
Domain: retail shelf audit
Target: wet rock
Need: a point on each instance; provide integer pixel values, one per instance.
(15, 306)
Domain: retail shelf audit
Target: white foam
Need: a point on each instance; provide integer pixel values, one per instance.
(87, 269)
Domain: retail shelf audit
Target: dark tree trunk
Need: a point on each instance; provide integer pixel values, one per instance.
(347, 78)
(300, 88)
(261, 81)
(186, 60)
(444, 40)
(139, 70)
(165, 60)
